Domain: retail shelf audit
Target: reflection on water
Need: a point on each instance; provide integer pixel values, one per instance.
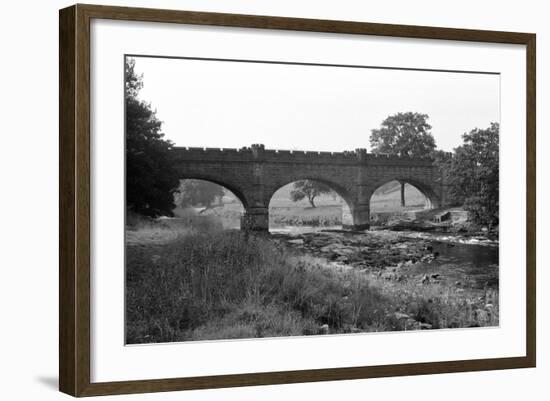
(478, 262)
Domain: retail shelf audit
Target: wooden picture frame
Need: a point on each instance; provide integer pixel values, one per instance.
(74, 204)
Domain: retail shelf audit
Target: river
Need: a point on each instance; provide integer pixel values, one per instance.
(458, 260)
(475, 264)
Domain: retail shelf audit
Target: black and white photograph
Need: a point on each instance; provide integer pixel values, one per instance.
(270, 199)
(275, 200)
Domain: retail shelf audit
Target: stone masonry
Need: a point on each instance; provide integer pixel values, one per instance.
(254, 174)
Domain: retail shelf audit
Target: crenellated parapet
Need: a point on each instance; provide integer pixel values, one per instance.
(387, 159)
(194, 153)
(257, 152)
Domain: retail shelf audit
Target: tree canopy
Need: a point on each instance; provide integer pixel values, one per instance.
(474, 174)
(198, 193)
(308, 189)
(150, 177)
(403, 134)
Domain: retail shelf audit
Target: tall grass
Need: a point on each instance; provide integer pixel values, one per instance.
(140, 229)
(218, 285)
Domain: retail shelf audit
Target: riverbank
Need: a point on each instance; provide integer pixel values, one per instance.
(406, 264)
(227, 284)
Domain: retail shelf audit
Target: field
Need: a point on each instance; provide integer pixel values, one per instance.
(387, 198)
(202, 283)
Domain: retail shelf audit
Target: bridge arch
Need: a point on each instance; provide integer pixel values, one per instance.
(346, 197)
(426, 189)
(342, 191)
(239, 192)
(222, 208)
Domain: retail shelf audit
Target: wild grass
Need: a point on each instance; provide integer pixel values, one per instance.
(140, 229)
(440, 305)
(221, 285)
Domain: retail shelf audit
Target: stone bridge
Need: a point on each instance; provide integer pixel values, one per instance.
(254, 174)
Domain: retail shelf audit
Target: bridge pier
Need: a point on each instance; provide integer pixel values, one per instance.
(361, 217)
(255, 219)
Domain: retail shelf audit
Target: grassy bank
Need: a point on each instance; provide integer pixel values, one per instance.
(220, 285)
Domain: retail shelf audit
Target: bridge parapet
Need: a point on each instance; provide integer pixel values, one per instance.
(257, 152)
(214, 154)
(386, 159)
(300, 156)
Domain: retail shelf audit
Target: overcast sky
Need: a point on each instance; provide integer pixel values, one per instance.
(231, 105)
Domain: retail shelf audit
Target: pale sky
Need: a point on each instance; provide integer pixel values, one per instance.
(235, 104)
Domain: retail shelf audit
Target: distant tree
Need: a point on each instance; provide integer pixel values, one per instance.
(474, 174)
(403, 134)
(150, 177)
(308, 189)
(198, 193)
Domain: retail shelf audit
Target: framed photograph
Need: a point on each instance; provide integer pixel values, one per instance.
(250, 200)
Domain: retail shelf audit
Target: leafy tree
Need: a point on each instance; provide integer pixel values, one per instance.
(150, 177)
(403, 134)
(474, 174)
(308, 189)
(442, 158)
(198, 192)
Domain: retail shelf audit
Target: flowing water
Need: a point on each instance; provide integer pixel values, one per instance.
(475, 264)
(462, 261)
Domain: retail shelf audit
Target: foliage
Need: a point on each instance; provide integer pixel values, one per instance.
(474, 174)
(150, 177)
(308, 189)
(403, 134)
(197, 192)
(443, 160)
